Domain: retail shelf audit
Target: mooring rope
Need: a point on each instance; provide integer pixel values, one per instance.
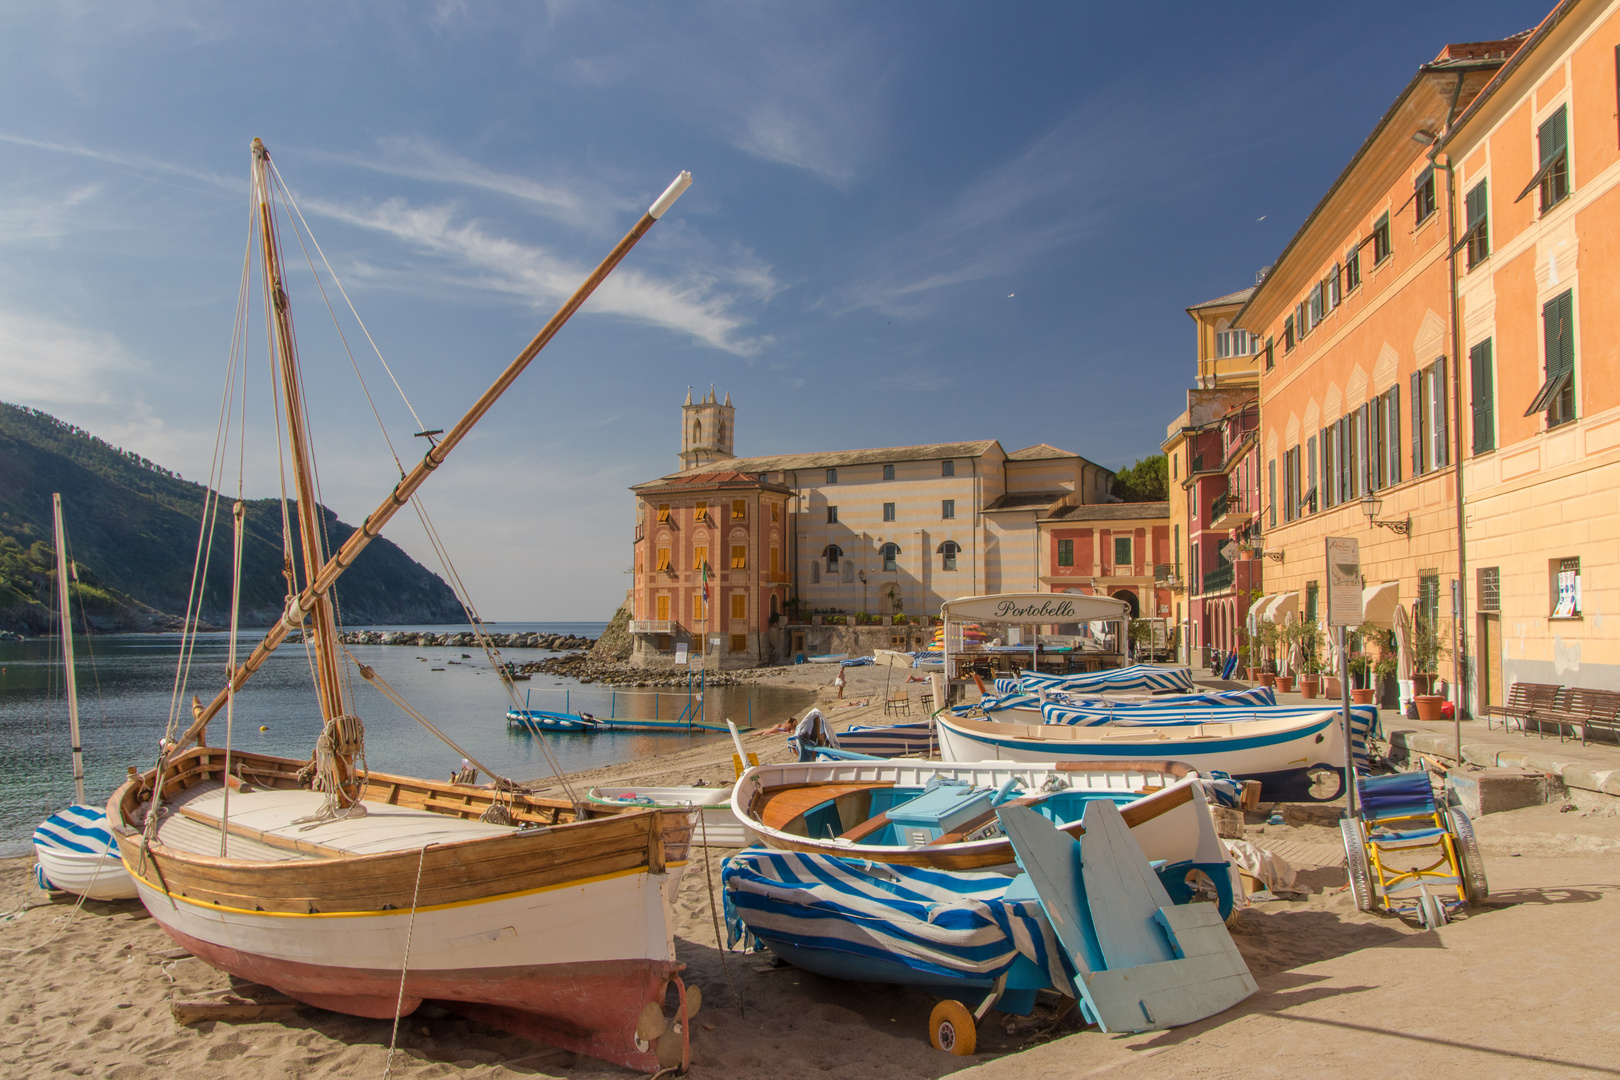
(714, 914)
(405, 964)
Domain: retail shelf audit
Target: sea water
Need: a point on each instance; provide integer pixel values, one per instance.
(127, 683)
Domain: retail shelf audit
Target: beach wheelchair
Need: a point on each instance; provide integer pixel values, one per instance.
(1408, 854)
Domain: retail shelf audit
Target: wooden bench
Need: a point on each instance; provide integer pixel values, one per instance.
(1525, 701)
(1591, 710)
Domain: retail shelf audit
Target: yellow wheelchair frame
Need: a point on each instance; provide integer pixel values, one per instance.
(1405, 842)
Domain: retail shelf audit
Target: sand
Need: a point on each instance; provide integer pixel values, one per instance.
(86, 991)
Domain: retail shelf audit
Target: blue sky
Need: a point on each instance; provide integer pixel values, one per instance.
(909, 223)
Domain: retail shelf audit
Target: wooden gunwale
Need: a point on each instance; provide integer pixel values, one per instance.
(975, 854)
(460, 871)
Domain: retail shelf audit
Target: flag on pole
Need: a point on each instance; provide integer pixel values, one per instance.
(705, 585)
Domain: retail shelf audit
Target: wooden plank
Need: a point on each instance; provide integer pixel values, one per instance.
(269, 839)
(1123, 903)
(1052, 861)
(780, 806)
(871, 825)
(232, 1008)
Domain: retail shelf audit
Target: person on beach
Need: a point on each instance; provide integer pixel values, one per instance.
(813, 731)
(839, 682)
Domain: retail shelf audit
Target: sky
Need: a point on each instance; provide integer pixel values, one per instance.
(908, 223)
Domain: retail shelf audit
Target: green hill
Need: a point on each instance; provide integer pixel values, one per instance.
(132, 530)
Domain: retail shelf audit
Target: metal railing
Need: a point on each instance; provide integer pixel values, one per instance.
(652, 626)
(1219, 578)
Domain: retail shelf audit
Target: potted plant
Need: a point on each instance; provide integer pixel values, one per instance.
(1361, 668)
(1310, 644)
(1427, 651)
(1384, 671)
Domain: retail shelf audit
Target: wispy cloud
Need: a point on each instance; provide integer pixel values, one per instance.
(48, 363)
(423, 159)
(702, 303)
(1067, 184)
(25, 219)
(152, 168)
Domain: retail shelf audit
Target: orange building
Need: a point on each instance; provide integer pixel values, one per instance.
(710, 566)
(1111, 549)
(1358, 427)
(1534, 162)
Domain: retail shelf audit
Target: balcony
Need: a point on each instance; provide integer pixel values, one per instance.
(1219, 579)
(1166, 575)
(652, 626)
(1230, 510)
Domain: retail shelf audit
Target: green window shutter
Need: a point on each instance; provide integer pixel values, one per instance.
(1315, 498)
(1271, 478)
(1442, 444)
(1479, 379)
(1393, 436)
(1553, 135)
(1417, 423)
(1476, 204)
(1566, 333)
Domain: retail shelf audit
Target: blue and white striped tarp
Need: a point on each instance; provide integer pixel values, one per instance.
(1135, 677)
(79, 828)
(893, 740)
(937, 922)
(1215, 699)
(1005, 686)
(1363, 718)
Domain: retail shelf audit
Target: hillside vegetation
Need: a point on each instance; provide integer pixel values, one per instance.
(132, 530)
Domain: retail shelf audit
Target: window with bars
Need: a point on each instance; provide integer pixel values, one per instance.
(1480, 397)
(1556, 397)
(1428, 599)
(1489, 589)
(1380, 238)
(1478, 236)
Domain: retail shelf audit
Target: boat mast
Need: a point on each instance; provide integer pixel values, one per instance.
(374, 522)
(67, 649)
(323, 624)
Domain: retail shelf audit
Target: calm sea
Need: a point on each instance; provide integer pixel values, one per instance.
(126, 683)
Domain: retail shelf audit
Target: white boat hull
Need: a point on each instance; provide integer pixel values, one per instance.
(715, 826)
(1241, 748)
(76, 855)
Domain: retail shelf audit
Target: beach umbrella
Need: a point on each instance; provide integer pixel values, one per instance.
(1403, 649)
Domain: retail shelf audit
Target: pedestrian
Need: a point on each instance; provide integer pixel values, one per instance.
(813, 731)
(839, 682)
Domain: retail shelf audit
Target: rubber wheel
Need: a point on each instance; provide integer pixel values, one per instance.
(1432, 911)
(1355, 862)
(951, 1028)
(1475, 888)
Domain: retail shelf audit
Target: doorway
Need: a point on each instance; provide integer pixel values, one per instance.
(1490, 661)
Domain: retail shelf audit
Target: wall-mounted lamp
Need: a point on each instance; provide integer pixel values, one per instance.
(1424, 136)
(1371, 504)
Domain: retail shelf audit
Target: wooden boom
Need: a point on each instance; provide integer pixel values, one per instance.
(372, 527)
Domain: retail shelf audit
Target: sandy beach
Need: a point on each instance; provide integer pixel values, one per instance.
(87, 988)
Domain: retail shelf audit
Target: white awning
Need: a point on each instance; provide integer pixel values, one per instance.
(1379, 602)
(1257, 610)
(1284, 605)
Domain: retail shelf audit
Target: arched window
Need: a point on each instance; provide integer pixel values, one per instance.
(948, 552)
(832, 555)
(891, 556)
(697, 433)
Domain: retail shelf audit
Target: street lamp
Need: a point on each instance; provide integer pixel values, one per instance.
(1371, 504)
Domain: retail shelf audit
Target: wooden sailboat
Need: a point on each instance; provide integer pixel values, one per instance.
(73, 847)
(368, 893)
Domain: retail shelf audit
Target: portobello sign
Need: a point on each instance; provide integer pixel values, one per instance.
(1034, 608)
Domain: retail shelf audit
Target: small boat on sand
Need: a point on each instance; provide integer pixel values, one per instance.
(943, 815)
(715, 825)
(827, 658)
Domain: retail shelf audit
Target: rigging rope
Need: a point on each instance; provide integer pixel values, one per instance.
(405, 965)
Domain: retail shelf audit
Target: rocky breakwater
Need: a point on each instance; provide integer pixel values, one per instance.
(465, 640)
(589, 669)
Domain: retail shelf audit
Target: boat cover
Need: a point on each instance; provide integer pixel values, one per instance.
(934, 921)
(81, 829)
(1101, 710)
(1135, 677)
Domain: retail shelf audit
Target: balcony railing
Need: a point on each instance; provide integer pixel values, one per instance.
(652, 626)
(1219, 578)
(1217, 509)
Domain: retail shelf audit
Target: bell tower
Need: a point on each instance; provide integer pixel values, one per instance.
(706, 430)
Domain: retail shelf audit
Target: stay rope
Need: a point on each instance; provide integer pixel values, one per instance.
(405, 964)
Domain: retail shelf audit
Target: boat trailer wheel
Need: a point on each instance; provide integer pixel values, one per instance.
(951, 1028)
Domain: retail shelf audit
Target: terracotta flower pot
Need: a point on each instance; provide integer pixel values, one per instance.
(1285, 683)
(1423, 682)
(1332, 688)
(1268, 679)
(1362, 697)
(1310, 686)
(1428, 706)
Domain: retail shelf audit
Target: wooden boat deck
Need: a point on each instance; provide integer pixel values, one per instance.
(262, 826)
